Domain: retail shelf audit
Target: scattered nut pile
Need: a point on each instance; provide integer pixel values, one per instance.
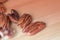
(24, 21)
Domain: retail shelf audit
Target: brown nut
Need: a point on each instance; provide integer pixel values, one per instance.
(7, 29)
(3, 22)
(34, 28)
(25, 20)
(2, 1)
(5, 25)
(14, 16)
(2, 19)
(2, 8)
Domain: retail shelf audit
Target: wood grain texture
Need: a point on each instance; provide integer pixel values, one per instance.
(41, 10)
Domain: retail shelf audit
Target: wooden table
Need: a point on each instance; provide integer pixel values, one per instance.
(41, 10)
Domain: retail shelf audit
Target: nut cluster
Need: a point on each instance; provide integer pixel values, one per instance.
(5, 23)
(24, 21)
(5, 26)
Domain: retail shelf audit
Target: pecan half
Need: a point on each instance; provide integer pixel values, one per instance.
(8, 29)
(25, 20)
(2, 20)
(14, 16)
(5, 25)
(34, 28)
(2, 8)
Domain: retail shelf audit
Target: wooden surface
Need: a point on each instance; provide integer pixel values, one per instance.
(41, 10)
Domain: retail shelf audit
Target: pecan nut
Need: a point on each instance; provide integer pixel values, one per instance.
(34, 28)
(2, 19)
(25, 20)
(14, 16)
(5, 25)
(2, 8)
